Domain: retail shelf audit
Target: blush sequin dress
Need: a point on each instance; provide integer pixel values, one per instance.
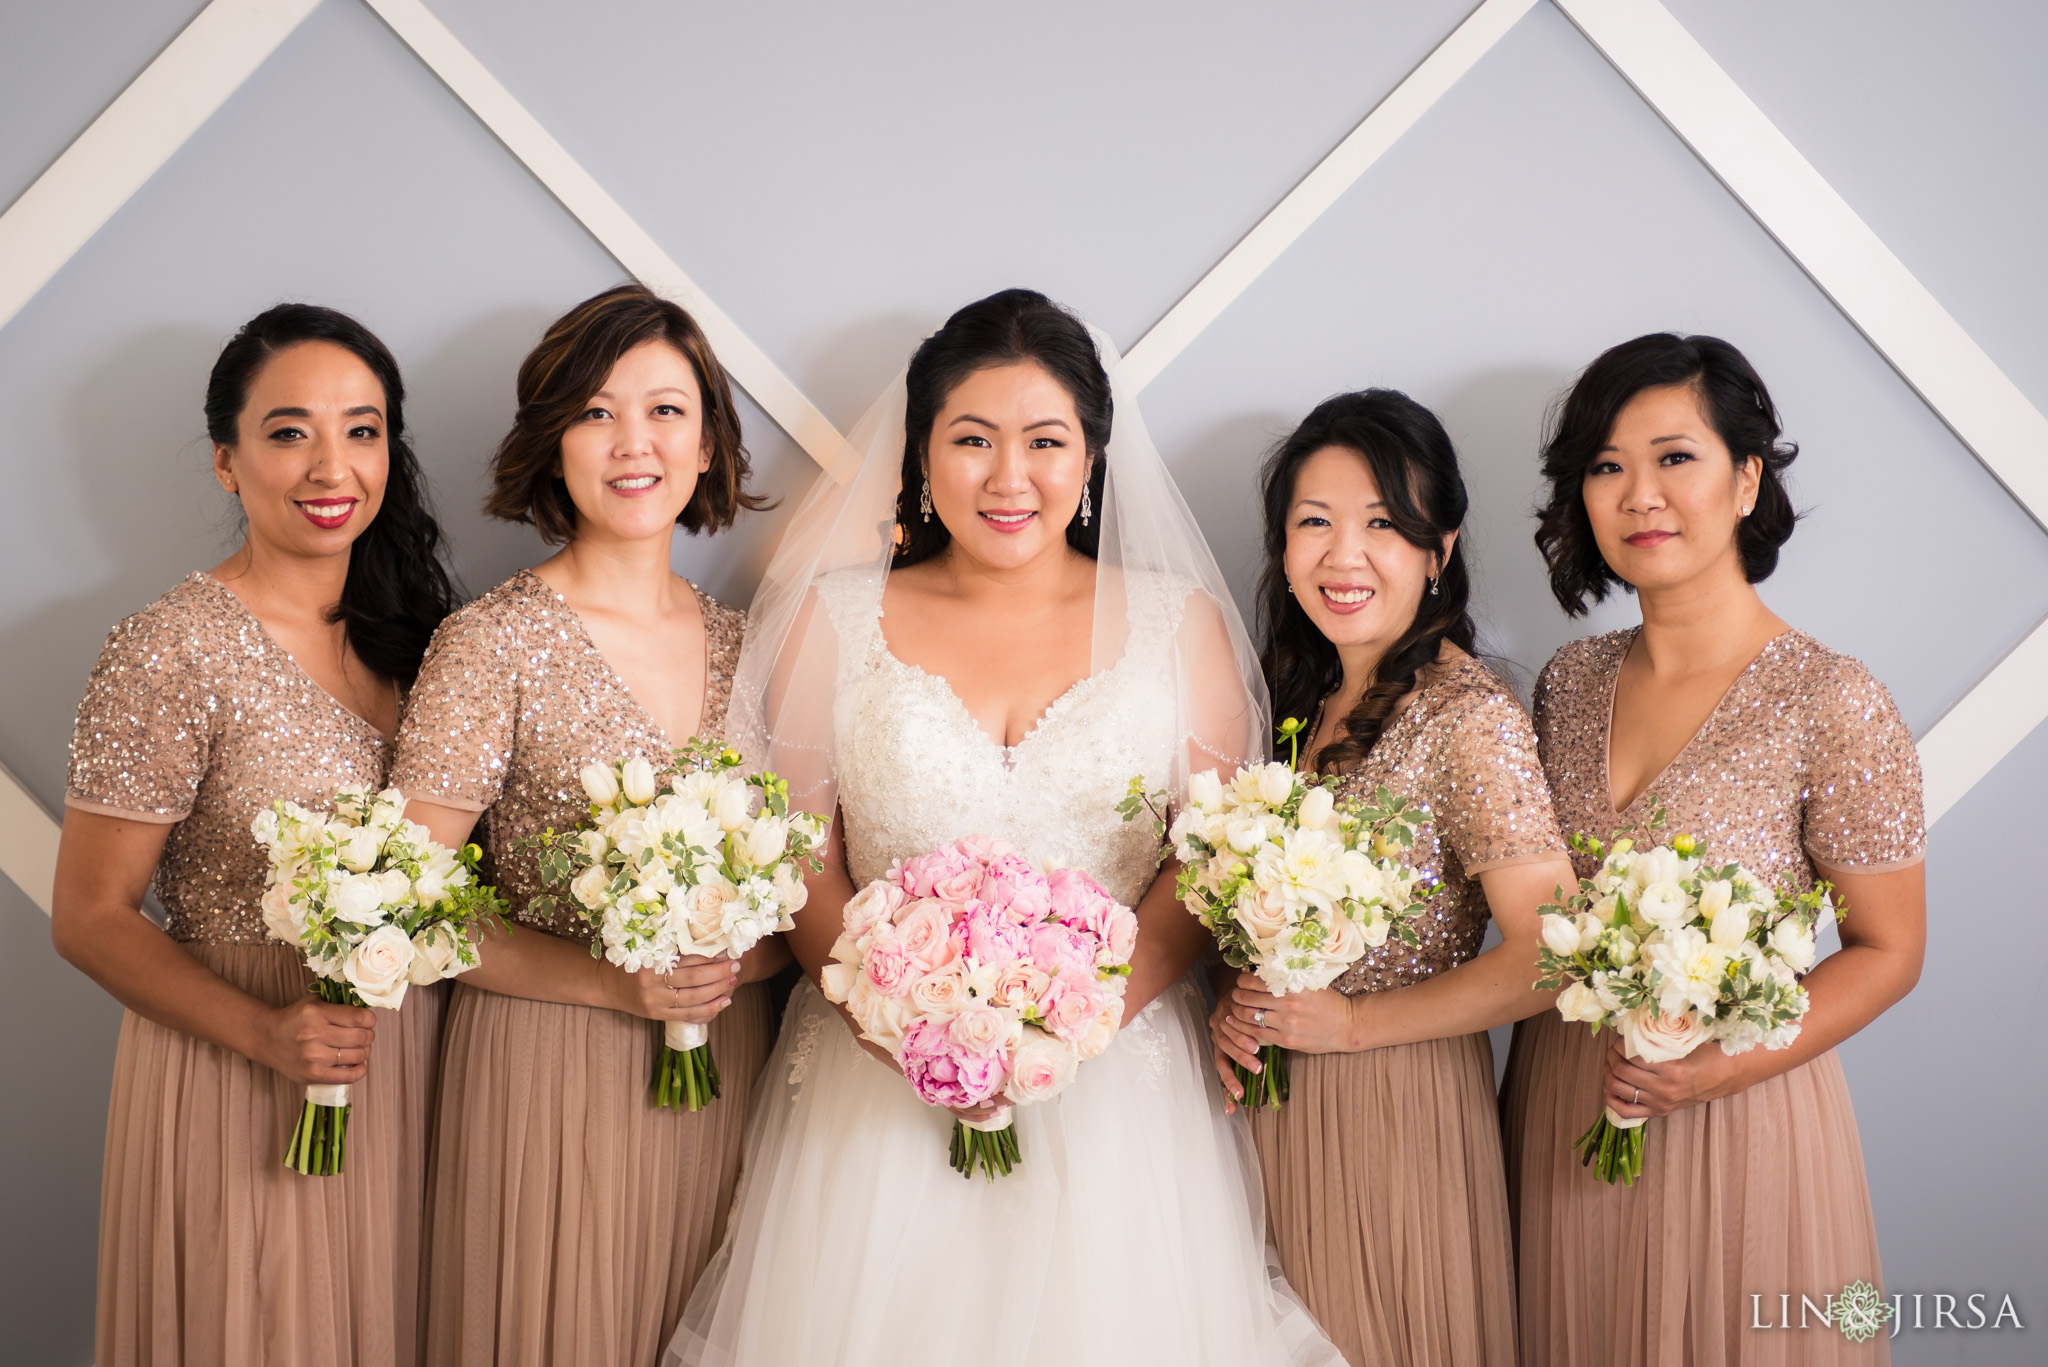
(569, 1215)
(211, 1251)
(1385, 1190)
(1805, 761)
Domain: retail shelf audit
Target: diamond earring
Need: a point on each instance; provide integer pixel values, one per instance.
(1087, 504)
(924, 501)
(1434, 580)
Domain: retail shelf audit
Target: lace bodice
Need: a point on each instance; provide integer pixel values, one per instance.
(916, 771)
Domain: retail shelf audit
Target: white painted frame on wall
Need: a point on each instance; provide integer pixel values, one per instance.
(194, 75)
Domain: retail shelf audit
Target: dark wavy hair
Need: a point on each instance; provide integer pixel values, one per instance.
(1413, 463)
(398, 587)
(569, 365)
(1731, 395)
(1003, 329)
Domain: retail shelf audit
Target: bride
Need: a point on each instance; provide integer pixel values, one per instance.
(989, 627)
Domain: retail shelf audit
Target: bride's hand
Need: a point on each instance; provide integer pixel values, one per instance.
(981, 1112)
(695, 990)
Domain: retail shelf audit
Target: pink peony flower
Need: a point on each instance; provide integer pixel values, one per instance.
(983, 849)
(1070, 1005)
(1078, 900)
(944, 1074)
(925, 930)
(1054, 947)
(1018, 889)
(949, 867)
(992, 939)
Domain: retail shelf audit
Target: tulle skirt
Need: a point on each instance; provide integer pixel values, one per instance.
(1389, 1202)
(1131, 1232)
(212, 1252)
(570, 1215)
(1759, 1194)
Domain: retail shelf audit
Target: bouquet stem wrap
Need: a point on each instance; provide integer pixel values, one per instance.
(319, 1142)
(685, 1075)
(989, 1146)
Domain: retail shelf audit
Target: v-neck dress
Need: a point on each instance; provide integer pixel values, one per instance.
(569, 1215)
(1805, 761)
(1383, 1172)
(211, 1250)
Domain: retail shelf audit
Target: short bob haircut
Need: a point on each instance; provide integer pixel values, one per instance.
(555, 384)
(1734, 400)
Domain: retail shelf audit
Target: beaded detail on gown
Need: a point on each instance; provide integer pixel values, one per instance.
(1383, 1171)
(1805, 760)
(569, 1216)
(1132, 1230)
(211, 1251)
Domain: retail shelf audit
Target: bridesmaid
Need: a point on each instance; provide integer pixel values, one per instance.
(1667, 478)
(276, 674)
(1383, 1174)
(570, 1215)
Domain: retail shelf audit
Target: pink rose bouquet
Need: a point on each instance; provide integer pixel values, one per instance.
(986, 980)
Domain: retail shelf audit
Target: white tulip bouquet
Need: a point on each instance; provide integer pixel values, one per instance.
(710, 866)
(1295, 883)
(1673, 950)
(376, 906)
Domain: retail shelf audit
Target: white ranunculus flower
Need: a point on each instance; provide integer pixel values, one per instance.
(379, 968)
(356, 899)
(1205, 790)
(394, 887)
(589, 887)
(600, 785)
(636, 776)
(1793, 944)
(435, 954)
(1578, 1002)
(1663, 904)
(1246, 834)
(1658, 865)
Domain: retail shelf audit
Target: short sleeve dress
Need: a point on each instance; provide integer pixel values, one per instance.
(1805, 761)
(569, 1215)
(211, 1250)
(1385, 1191)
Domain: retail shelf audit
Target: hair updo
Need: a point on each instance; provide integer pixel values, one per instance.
(398, 589)
(1416, 468)
(1733, 398)
(1004, 329)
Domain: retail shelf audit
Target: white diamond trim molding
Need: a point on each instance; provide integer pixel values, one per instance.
(229, 39)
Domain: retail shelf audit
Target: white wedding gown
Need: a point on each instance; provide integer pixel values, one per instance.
(1132, 1231)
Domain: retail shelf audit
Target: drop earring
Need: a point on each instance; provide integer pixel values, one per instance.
(1087, 504)
(1434, 580)
(924, 500)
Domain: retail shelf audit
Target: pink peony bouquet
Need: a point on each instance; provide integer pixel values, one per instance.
(986, 980)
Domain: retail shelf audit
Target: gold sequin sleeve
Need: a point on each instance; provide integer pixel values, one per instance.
(1497, 811)
(144, 730)
(456, 742)
(1863, 808)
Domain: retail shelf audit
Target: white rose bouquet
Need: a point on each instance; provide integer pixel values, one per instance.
(1673, 950)
(1294, 883)
(709, 866)
(376, 906)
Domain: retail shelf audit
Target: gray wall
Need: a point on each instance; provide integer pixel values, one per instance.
(840, 177)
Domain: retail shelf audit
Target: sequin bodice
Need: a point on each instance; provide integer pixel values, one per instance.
(916, 771)
(1806, 758)
(196, 717)
(1464, 749)
(512, 700)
